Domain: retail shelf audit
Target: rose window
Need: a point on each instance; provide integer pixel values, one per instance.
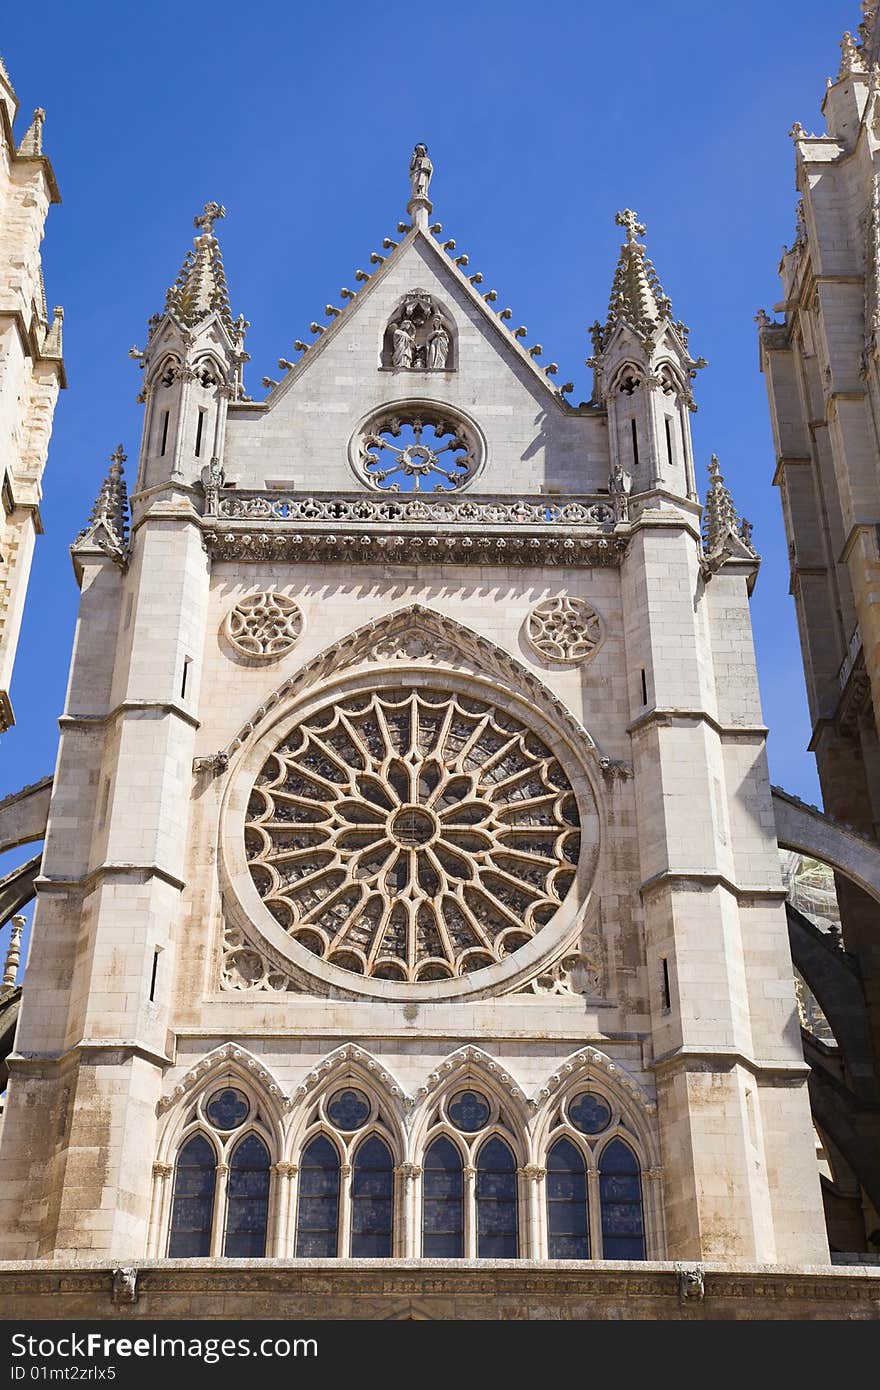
(412, 835)
(416, 452)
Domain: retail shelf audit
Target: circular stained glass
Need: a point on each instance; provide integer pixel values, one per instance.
(412, 835)
(589, 1113)
(227, 1109)
(468, 1111)
(348, 1109)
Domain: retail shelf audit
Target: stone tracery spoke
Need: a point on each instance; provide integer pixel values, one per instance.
(412, 834)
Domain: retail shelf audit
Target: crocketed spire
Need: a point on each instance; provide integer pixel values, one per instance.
(108, 522)
(720, 520)
(637, 297)
(32, 140)
(201, 288)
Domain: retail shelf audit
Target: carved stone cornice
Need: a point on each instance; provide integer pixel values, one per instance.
(278, 542)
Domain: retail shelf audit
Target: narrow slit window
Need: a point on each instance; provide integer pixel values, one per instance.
(667, 998)
(644, 687)
(156, 954)
(669, 454)
(635, 436)
(187, 662)
(200, 425)
(164, 444)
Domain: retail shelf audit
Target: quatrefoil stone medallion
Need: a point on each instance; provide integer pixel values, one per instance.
(564, 629)
(264, 626)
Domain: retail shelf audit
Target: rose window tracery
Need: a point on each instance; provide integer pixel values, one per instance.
(564, 629)
(412, 835)
(264, 626)
(416, 451)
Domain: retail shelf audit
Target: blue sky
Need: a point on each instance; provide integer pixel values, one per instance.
(541, 122)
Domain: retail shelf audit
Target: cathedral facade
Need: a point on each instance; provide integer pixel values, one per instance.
(410, 937)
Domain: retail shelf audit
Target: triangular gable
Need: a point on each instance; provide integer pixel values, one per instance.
(460, 286)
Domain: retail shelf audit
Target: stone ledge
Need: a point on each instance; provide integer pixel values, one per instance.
(463, 1290)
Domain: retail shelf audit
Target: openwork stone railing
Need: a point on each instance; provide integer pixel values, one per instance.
(355, 507)
(407, 530)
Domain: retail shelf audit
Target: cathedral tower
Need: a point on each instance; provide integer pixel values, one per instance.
(822, 369)
(31, 365)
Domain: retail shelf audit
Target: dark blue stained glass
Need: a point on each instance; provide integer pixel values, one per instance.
(318, 1214)
(442, 1202)
(620, 1194)
(567, 1220)
(589, 1113)
(348, 1109)
(372, 1193)
(227, 1109)
(468, 1111)
(496, 1202)
(192, 1209)
(247, 1200)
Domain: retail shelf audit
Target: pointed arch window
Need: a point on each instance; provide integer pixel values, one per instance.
(497, 1225)
(372, 1195)
(317, 1224)
(620, 1199)
(568, 1225)
(442, 1201)
(192, 1212)
(247, 1199)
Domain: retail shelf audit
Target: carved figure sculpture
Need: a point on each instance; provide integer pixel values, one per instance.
(438, 343)
(403, 344)
(420, 171)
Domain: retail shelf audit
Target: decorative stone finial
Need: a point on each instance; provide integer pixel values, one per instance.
(634, 228)
(208, 217)
(637, 297)
(419, 206)
(32, 140)
(108, 522)
(721, 525)
(13, 953)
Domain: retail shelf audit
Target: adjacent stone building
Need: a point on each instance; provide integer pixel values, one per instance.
(411, 895)
(31, 366)
(822, 367)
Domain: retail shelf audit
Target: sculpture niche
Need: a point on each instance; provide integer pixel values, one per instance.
(419, 337)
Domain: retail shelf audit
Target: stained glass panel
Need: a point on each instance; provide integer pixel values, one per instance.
(442, 1202)
(318, 1215)
(227, 1109)
(589, 1113)
(247, 1200)
(348, 1109)
(193, 1206)
(468, 1111)
(496, 1201)
(620, 1193)
(567, 1221)
(372, 1193)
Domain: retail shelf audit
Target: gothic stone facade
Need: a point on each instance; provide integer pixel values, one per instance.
(823, 378)
(410, 872)
(31, 367)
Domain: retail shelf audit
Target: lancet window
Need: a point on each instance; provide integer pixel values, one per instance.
(470, 1184)
(221, 1194)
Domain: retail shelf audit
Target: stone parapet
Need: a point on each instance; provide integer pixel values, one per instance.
(435, 1289)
